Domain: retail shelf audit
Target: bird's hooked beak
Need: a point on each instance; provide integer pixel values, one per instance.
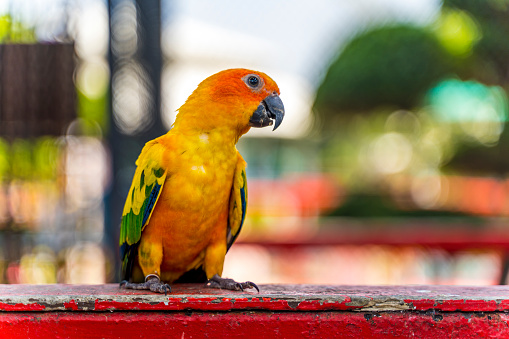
(270, 108)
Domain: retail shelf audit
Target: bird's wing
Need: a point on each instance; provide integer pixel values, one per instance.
(145, 190)
(238, 203)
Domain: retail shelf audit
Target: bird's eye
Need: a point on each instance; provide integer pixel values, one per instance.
(253, 81)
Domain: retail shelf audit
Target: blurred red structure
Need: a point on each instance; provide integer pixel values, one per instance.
(308, 195)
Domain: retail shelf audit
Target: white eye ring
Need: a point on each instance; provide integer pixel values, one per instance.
(253, 81)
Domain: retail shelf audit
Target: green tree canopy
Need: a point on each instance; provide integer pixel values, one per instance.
(388, 66)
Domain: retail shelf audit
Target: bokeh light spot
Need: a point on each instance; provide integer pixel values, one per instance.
(390, 153)
(131, 98)
(457, 31)
(93, 78)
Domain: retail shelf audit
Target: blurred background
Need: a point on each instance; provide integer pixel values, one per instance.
(391, 166)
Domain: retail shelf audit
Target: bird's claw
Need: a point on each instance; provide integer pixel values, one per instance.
(250, 284)
(153, 284)
(229, 284)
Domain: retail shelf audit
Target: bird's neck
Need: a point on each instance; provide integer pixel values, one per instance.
(217, 127)
(217, 138)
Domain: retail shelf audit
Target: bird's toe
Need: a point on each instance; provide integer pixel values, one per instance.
(152, 283)
(229, 284)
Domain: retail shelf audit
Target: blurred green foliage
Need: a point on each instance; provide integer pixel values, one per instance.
(12, 31)
(394, 66)
(376, 206)
(478, 160)
(93, 111)
(21, 159)
(387, 66)
(489, 61)
(24, 159)
(46, 153)
(444, 85)
(4, 159)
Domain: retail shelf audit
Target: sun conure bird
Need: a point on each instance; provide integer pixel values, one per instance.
(188, 198)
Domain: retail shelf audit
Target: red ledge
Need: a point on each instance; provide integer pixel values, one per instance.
(37, 298)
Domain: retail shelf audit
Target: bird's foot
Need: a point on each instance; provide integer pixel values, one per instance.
(152, 282)
(229, 284)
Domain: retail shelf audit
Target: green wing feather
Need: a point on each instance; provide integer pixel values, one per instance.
(238, 204)
(145, 190)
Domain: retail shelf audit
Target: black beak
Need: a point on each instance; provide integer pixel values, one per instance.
(271, 108)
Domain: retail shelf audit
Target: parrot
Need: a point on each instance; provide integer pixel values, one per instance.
(188, 198)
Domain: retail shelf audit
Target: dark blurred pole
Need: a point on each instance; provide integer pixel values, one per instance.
(505, 269)
(125, 148)
(37, 98)
(37, 93)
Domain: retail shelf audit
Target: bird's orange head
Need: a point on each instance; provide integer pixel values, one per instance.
(235, 98)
